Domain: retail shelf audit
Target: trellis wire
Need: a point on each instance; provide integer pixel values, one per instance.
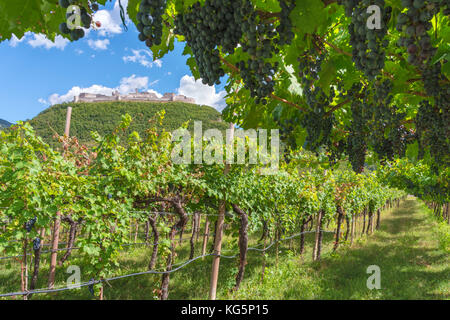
(78, 248)
(181, 265)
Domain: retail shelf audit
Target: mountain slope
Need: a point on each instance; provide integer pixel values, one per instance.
(103, 117)
(4, 124)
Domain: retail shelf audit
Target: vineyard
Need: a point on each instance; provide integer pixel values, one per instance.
(359, 91)
(102, 196)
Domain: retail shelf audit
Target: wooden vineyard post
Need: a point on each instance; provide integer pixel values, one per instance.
(316, 251)
(56, 227)
(136, 231)
(302, 238)
(195, 218)
(352, 232)
(205, 237)
(199, 219)
(24, 264)
(54, 252)
(219, 229)
(264, 260)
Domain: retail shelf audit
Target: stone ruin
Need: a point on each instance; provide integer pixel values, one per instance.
(135, 96)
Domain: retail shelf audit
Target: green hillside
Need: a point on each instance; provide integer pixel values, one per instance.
(4, 124)
(103, 117)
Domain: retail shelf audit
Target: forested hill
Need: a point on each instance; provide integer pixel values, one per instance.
(4, 124)
(103, 117)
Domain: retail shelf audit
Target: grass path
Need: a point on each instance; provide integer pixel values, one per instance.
(411, 249)
(406, 248)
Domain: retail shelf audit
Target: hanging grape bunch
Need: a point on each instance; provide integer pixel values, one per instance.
(227, 24)
(85, 18)
(368, 44)
(150, 21)
(91, 286)
(382, 119)
(436, 85)
(357, 139)
(415, 24)
(260, 42)
(216, 23)
(36, 244)
(30, 223)
(387, 118)
(284, 29)
(432, 118)
(432, 131)
(287, 128)
(316, 123)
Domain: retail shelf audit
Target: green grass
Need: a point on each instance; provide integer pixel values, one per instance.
(411, 248)
(407, 248)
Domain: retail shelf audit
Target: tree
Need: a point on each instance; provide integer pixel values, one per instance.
(345, 76)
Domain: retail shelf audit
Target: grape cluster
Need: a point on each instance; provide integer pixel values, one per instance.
(336, 150)
(432, 131)
(30, 223)
(258, 78)
(216, 23)
(86, 20)
(318, 127)
(285, 27)
(36, 244)
(224, 25)
(368, 44)
(286, 129)
(357, 144)
(433, 117)
(436, 85)
(382, 120)
(91, 286)
(415, 24)
(383, 129)
(317, 124)
(150, 21)
(358, 130)
(259, 44)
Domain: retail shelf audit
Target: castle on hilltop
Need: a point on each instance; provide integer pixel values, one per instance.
(135, 96)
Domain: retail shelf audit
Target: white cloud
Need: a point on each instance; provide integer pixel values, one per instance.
(143, 57)
(159, 95)
(40, 40)
(79, 51)
(98, 44)
(132, 83)
(127, 85)
(111, 23)
(203, 94)
(14, 41)
(43, 101)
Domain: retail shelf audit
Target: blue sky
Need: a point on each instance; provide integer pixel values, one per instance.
(37, 73)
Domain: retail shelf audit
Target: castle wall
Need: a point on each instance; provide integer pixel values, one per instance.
(136, 97)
